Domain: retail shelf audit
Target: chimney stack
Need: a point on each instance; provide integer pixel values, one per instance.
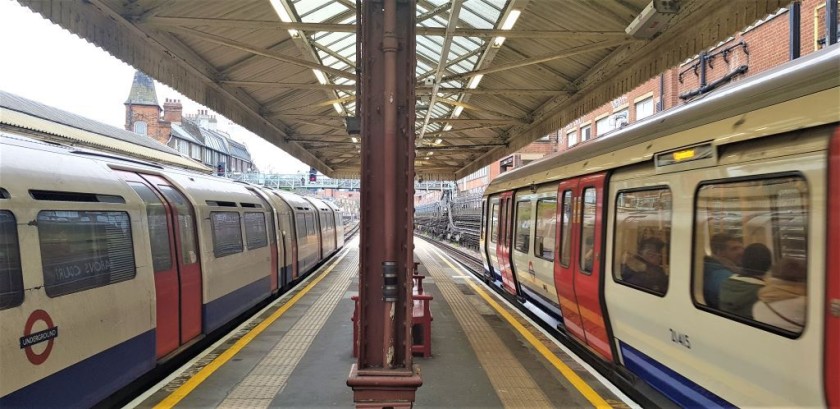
(172, 110)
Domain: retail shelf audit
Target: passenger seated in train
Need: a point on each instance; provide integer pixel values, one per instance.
(739, 292)
(782, 302)
(727, 251)
(644, 269)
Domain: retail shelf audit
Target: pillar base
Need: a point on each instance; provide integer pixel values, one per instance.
(384, 389)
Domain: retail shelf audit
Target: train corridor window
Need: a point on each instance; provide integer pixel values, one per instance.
(751, 251)
(494, 222)
(11, 275)
(158, 229)
(81, 250)
(642, 239)
(227, 233)
(255, 232)
(186, 223)
(523, 226)
(566, 230)
(587, 230)
(546, 223)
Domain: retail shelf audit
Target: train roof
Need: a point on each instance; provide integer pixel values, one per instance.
(736, 112)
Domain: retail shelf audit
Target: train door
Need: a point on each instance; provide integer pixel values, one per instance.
(172, 328)
(493, 239)
(182, 217)
(578, 269)
(271, 221)
(503, 243)
(291, 247)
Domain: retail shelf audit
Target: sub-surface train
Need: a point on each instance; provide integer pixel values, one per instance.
(696, 252)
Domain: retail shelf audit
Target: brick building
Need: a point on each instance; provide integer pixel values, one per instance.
(759, 47)
(195, 136)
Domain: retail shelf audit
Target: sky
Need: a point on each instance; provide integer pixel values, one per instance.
(43, 62)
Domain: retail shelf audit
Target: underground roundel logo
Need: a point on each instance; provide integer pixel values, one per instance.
(30, 338)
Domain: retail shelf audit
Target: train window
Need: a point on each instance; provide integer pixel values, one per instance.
(186, 223)
(310, 224)
(523, 226)
(81, 250)
(587, 230)
(642, 238)
(227, 233)
(546, 223)
(4, 194)
(566, 230)
(255, 231)
(300, 225)
(158, 228)
(751, 251)
(11, 275)
(494, 222)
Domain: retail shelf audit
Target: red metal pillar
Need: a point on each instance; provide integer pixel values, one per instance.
(384, 375)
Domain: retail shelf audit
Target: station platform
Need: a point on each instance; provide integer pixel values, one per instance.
(298, 351)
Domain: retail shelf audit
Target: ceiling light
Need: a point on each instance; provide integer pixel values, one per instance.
(294, 33)
(338, 108)
(511, 19)
(354, 139)
(438, 141)
(457, 111)
(473, 84)
(447, 127)
(321, 77)
(498, 42)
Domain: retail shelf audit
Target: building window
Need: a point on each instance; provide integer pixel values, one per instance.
(140, 128)
(572, 137)
(585, 133)
(644, 108)
(603, 126)
(196, 151)
(620, 118)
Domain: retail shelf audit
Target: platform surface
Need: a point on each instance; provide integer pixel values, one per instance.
(298, 351)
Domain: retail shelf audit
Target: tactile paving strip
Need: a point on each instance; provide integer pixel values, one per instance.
(513, 384)
(270, 376)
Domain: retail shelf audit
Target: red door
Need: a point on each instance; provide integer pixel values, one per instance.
(504, 242)
(832, 314)
(578, 280)
(186, 254)
(162, 240)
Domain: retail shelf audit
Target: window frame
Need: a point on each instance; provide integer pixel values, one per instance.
(692, 277)
(616, 257)
(251, 241)
(552, 199)
(527, 240)
(16, 295)
(213, 230)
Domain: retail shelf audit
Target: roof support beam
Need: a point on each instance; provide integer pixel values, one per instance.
(164, 22)
(264, 84)
(479, 121)
(444, 57)
(260, 51)
(541, 59)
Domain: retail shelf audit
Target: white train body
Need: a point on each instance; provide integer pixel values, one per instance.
(617, 243)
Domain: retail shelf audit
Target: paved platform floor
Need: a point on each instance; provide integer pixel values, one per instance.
(298, 351)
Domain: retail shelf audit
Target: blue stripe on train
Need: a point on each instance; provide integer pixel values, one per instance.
(671, 384)
(223, 309)
(90, 381)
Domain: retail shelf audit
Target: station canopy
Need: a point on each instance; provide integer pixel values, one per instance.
(492, 75)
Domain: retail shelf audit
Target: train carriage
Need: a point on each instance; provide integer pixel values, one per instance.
(110, 266)
(689, 249)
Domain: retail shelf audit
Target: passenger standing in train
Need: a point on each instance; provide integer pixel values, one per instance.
(782, 302)
(739, 292)
(644, 269)
(727, 251)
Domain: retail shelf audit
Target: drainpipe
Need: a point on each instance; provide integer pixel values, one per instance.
(794, 19)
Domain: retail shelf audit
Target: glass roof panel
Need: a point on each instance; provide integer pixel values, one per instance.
(320, 15)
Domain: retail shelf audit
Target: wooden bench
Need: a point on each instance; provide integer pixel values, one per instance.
(421, 319)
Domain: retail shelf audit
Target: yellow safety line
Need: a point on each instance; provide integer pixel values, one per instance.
(581, 385)
(196, 380)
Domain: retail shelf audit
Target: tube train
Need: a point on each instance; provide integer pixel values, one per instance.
(690, 254)
(110, 266)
